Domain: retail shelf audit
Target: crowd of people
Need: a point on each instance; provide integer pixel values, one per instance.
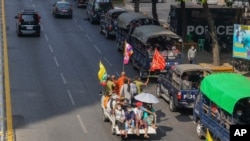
(129, 113)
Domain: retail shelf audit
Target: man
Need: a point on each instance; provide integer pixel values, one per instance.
(139, 84)
(120, 80)
(111, 83)
(192, 55)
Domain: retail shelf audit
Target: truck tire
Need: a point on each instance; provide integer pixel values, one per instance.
(172, 107)
(158, 90)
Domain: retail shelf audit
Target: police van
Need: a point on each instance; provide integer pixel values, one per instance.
(220, 104)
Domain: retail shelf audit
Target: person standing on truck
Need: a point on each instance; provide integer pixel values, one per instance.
(125, 91)
(139, 84)
(120, 118)
(120, 80)
(192, 55)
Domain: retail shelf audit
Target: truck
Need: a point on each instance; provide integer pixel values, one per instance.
(220, 104)
(170, 85)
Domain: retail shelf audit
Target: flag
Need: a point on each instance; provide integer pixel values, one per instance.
(128, 51)
(102, 74)
(158, 62)
(208, 136)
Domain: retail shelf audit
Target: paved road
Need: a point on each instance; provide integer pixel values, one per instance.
(54, 82)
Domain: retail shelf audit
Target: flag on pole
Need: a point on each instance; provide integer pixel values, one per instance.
(102, 74)
(158, 62)
(208, 136)
(128, 51)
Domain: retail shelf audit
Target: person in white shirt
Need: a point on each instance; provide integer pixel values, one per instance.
(192, 55)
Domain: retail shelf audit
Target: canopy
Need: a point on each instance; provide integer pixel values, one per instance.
(143, 33)
(226, 89)
(126, 18)
(116, 10)
(181, 68)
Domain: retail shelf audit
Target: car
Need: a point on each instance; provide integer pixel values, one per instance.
(62, 8)
(28, 22)
(97, 8)
(82, 3)
(108, 24)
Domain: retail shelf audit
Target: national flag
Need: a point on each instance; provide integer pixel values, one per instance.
(102, 74)
(158, 62)
(208, 136)
(128, 51)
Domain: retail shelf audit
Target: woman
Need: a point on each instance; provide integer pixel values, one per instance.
(148, 117)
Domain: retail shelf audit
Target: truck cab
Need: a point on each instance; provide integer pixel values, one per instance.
(180, 86)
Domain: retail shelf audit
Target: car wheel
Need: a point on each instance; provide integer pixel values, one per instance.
(91, 20)
(171, 104)
(107, 36)
(158, 90)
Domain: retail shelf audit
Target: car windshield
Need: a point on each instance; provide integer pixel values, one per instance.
(103, 6)
(63, 5)
(30, 18)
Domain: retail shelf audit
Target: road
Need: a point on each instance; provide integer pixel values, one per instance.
(54, 85)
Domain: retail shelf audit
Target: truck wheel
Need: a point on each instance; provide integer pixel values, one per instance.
(199, 130)
(158, 90)
(171, 104)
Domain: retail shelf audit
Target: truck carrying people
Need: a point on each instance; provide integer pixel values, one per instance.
(223, 100)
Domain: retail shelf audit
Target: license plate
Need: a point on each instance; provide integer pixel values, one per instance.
(29, 27)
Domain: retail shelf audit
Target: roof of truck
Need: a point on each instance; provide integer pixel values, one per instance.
(226, 89)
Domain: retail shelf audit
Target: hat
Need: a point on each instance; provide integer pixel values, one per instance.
(138, 104)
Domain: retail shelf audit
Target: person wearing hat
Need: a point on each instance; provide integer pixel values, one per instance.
(192, 55)
(138, 110)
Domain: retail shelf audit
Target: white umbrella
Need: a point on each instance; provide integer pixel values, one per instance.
(146, 97)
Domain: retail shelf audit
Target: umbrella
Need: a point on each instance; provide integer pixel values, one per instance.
(146, 97)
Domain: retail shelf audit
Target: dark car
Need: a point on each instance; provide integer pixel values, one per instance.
(62, 8)
(82, 3)
(108, 24)
(28, 23)
(97, 8)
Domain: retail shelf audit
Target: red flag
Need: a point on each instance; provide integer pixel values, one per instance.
(158, 62)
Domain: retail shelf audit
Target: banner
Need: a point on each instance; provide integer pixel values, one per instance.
(241, 41)
(102, 74)
(208, 136)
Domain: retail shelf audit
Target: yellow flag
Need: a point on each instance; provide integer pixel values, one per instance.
(102, 74)
(208, 136)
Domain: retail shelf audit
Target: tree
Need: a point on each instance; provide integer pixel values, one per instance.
(154, 9)
(137, 5)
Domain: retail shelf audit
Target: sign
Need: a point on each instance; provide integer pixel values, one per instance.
(241, 41)
(202, 29)
(239, 132)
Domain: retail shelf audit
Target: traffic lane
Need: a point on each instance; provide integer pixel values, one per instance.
(54, 94)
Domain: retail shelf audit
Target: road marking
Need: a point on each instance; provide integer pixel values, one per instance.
(82, 125)
(99, 51)
(63, 78)
(9, 131)
(51, 49)
(57, 64)
(75, 20)
(117, 74)
(46, 38)
(33, 5)
(88, 37)
(42, 27)
(80, 27)
(107, 61)
(71, 98)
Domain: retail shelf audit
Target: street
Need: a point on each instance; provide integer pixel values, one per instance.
(54, 85)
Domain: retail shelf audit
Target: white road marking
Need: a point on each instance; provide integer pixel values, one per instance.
(107, 61)
(81, 123)
(75, 20)
(46, 38)
(99, 51)
(33, 5)
(71, 98)
(88, 37)
(42, 27)
(80, 27)
(57, 64)
(51, 49)
(117, 74)
(63, 78)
